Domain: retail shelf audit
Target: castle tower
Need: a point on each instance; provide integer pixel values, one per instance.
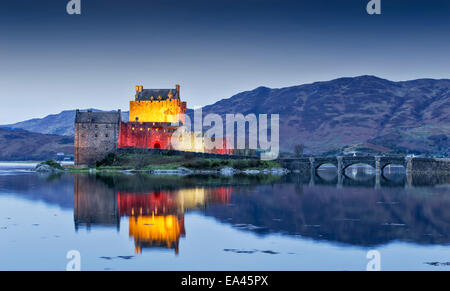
(155, 114)
(96, 135)
(157, 105)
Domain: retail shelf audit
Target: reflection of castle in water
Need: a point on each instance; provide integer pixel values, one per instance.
(155, 218)
(94, 203)
(156, 231)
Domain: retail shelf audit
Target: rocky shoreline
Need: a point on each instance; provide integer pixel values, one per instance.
(46, 168)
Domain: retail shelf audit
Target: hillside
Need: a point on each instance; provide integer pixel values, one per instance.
(360, 112)
(325, 116)
(22, 145)
(60, 124)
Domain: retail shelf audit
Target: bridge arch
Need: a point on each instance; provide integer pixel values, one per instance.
(359, 171)
(386, 161)
(317, 166)
(351, 161)
(384, 166)
(399, 170)
(318, 162)
(347, 166)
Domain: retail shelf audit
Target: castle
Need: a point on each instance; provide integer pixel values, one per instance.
(154, 116)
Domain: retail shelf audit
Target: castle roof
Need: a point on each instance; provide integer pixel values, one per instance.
(97, 117)
(147, 94)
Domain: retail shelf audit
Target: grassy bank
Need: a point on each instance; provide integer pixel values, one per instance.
(145, 161)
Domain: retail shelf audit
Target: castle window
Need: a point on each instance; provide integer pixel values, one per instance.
(96, 135)
(106, 135)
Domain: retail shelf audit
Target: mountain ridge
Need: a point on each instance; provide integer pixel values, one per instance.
(23, 145)
(60, 123)
(327, 116)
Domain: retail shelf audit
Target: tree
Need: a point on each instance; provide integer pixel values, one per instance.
(298, 150)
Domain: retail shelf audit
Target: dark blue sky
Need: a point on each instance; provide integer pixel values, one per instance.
(51, 61)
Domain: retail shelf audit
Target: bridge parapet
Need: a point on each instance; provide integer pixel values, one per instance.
(297, 164)
(385, 161)
(429, 165)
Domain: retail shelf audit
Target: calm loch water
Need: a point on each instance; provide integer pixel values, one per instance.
(294, 222)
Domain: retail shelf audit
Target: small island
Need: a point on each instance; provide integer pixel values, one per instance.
(172, 162)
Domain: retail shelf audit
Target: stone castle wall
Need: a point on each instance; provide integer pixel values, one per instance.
(95, 136)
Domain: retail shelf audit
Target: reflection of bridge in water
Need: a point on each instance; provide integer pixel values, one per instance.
(413, 167)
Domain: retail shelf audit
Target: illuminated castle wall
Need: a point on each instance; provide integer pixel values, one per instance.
(157, 105)
(145, 135)
(154, 115)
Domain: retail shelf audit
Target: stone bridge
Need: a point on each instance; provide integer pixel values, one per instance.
(377, 162)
